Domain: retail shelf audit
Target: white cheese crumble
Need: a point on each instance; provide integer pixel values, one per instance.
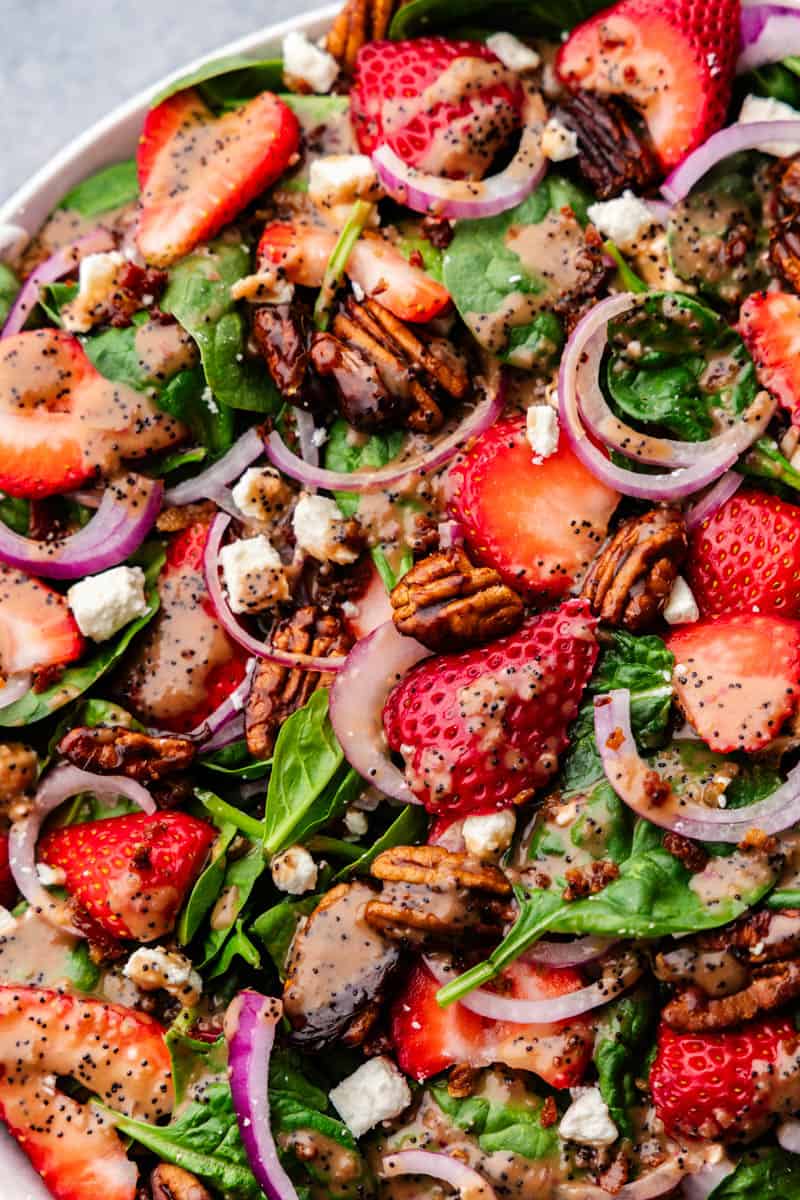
(97, 280)
(294, 871)
(50, 876)
(319, 528)
(305, 66)
(681, 607)
(254, 575)
(542, 430)
(261, 494)
(587, 1121)
(265, 287)
(513, 53)
(558, 142)
(103, 604)
(765, 108)
(153, 967)
(623, 220)
(356, 822)
(488, 834)
(376, 1092)
(342, 178)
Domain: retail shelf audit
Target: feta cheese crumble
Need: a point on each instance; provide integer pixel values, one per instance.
(319, 528)
(253, 573)
(153, 967)
(765, 108)
(376, 1092)
(265, 287)
(488, 834)
(356, 822)
(294, 871)
(97, 279)
(681, 607)
(50, 876)
(261, 494)
(542, 430)
(342, 178)
(558, 142)
(305, 66)
(623, 220)
(587, 1121)
(103, 604)
(513, 53)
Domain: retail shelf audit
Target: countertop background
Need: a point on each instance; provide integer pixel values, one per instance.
(65, 63)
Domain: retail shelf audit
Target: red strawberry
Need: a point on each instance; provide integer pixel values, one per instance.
(485, 727)
(131, 873)
(115, 1052)
(8, 888)
(713, 1085)
(443, 106)
(61, 422)
(538, 523)
(746, 557)
(37, 629)
(674, 60)
(737, 678)
(198, 171)
(185, 664)
(428, 1039)
(301, 253)
(769, 323)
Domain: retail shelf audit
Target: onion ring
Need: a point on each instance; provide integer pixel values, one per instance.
(62, 262)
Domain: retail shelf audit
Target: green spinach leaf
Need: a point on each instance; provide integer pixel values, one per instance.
(238, 945)
(15, 513)
(229, 82)
(406, 829)
(207, 888)
(500, 1128)
(9, 286)
(113, 187)
(235, 761)
(192, 1059)
(519, 16)
(276, 927)
(83, 974)
(346, 452)
(771, 1174)
(241, 876)
(619, 1048)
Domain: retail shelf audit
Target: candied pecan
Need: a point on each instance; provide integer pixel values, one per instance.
(692, 1011)
(447, 603)
(46, 677)
(424, 537)
(19, 767)
(276, 691)
(784, 250)
(629, 582)
(693, 856)
(434, 895)
(613, 1177)
(115, 750)
(757, 839)
(461, 1081)
(281, 334)
(761, 936)
(588, 880)
(137, 287)
(788, 185)
(364, 401)
(594, 269)
(169, 1182)
(612, 155)
(438, 231)
(175, 520)
(656, 789)
(359, 22)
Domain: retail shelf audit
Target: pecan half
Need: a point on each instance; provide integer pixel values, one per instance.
(276, 692)
(434, 895)
(169, 1182)
(114, 750)
(364, 401)
(612, 155)
(784, 250)
(692, 1011)
(447, 603)
(281, 334)
(359, 22)
(630, 581)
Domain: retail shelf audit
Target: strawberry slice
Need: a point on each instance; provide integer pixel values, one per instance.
(8, 887)
(131, 873)
(538, 523)
(429, 1039)
(737, 678)
(484, 728)
(62, 422)
(37, 630)
(184, 665)
(198, 171)
(674, 60)
(301, 253)
(769, 323)
(746, 557)
(443, 106)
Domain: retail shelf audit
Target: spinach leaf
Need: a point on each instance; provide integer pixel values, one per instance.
(229, 82)
(519, 16)
(412, 241)
(619, 1048)
(191, 1058)
(199, 297)
(405, 830)
(113, 187)
(83, 974)
(675, 364)
(238, 945)
(207, 888)
(159, 467)
(15, 513)
(500, 1128)
(771, 1174)
(277, 926)
(765, 461)
(205, 1141)
(35, 706)
(235, 761)
(346, 452)
(9, 286)
(240, 878)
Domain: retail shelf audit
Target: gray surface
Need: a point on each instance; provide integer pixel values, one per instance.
(65, 63)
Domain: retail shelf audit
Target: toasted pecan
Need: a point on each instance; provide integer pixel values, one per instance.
(630, 581)
(612, 154)
(115, 750)
(169, 1182)
(693, 856)
(692, 1011)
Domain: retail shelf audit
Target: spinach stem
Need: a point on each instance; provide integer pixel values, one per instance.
(335, 847)
(351, 232)
(628, 277)
(223, 812)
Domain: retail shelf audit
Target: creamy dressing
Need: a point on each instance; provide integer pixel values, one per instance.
(164, 350)
(731, 878)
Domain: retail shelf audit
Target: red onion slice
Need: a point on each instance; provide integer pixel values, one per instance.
(209, 484)
(469, 1184)
(61, 263)
(475, 423)
(725, 487)
(126, 515)
(304, 423)
(497, 1007)
(463, 199)
(569, 954)
(789, 1135)
(451, 533)
(628, 775)
(721, 145)
(769, 33)
(61, 784)
(372, 668)
(661, 1182)
(700, 1184)
(302, 662)
(216, 731)
(250, 1033)
(15, 687)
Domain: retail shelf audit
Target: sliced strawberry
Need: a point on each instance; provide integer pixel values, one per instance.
(539, 523)
(198, 171)
(8, 887)
(443, 106)
(37, 630)
(131, 873)
(62, 422)
(726, 1084)
(428, 1039)
(185, 664)
(737, 678)
(746, 557)
(301, 252)
(484, 728)
(769, 323)
(674, 60)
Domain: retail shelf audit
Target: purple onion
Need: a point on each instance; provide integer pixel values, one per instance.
(211, 483)
(61, 263)
(721, 145)
(725, 487)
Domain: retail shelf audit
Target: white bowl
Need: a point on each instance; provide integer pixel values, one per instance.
(112, 140)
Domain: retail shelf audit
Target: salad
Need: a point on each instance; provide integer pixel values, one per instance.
(400, 621)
